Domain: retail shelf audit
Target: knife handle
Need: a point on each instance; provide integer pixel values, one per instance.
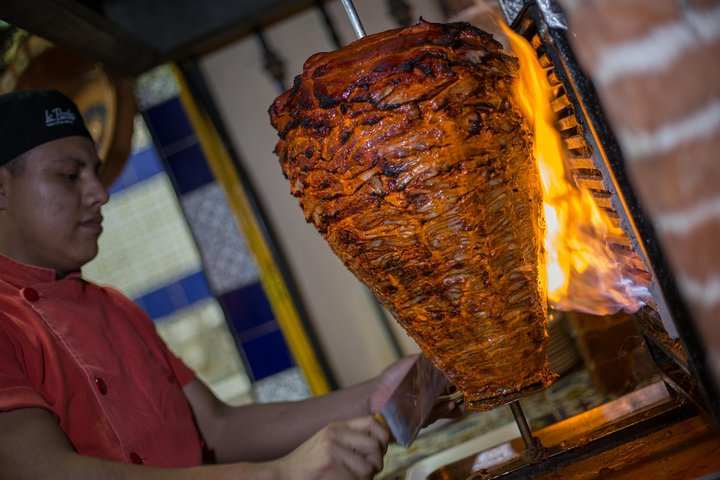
(455, 396)
(378, 416)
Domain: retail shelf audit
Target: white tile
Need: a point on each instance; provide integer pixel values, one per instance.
(146, 242)
(285, 386)
(200, 337)
(155, 87)
(141, 135)
(228, 262)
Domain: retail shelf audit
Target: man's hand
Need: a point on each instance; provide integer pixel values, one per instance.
(448, 406)
(350, 450)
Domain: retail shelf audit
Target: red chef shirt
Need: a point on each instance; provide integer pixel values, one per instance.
(90, 356)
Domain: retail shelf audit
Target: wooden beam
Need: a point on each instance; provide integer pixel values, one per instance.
(132, 36)
(72, 26)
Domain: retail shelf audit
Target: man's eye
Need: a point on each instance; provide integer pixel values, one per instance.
(69, 176)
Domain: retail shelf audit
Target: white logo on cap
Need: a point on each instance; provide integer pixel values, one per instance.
(58, 116)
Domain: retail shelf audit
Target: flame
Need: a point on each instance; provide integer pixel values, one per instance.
(582, 272)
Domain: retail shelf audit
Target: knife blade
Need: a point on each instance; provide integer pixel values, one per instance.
(409, 406)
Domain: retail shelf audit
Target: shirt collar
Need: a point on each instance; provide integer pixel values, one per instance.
(23, 274)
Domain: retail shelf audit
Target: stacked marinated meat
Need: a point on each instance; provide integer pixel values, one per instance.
(408, 155)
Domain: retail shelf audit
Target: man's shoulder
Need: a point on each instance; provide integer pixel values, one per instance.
(121, 300)
(16, 318)
(11, 299)
(107, 290)
(6, 288)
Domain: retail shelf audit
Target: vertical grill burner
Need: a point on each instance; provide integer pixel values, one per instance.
(590, 144)
(596, 164)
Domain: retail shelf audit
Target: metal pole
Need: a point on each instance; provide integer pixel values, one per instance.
(534, 451)
(522, 424)
(354, 19)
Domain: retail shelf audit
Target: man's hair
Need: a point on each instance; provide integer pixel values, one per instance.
(16, 166)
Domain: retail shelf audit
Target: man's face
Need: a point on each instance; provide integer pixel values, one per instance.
(50, 209)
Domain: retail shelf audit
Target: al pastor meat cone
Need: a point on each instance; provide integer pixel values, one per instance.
(408, 154)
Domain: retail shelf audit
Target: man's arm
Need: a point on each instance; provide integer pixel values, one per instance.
(32, 445)
(261, 432)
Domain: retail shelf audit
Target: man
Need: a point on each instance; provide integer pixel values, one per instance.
(87, 388)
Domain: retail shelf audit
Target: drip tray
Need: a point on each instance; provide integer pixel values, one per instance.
(621, 433)
(494, 444)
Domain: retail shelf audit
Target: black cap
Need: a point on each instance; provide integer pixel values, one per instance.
(29, 118)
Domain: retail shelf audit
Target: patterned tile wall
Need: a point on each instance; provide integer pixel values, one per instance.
(226, 256)
(231, 273)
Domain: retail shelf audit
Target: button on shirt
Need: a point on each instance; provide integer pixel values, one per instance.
(90, 356)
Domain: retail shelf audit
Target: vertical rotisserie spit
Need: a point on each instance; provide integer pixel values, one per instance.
(409, 156)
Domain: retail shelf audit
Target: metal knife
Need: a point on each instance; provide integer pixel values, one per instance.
(410, 404)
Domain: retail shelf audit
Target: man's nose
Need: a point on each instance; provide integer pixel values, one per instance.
(96, 192)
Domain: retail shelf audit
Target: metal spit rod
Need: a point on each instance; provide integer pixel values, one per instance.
(522, 424)
(534, 450)
(354, 19)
